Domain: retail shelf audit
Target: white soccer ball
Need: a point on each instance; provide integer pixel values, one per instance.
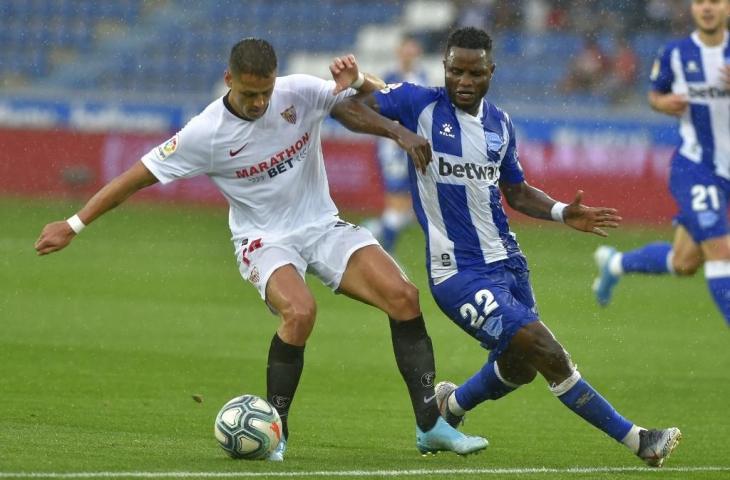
(248, 427)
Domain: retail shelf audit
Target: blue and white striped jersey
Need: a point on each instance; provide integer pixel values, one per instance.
(687, 67)
(458, 201)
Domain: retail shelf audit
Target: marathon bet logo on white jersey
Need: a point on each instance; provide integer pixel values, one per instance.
(271, 169)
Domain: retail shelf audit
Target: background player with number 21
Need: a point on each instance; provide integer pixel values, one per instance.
(260, 145)
(478, 275)
(690, 80)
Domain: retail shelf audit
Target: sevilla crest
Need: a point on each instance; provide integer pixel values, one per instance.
(290, 115)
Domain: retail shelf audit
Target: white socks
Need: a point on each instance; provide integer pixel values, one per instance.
(454, 406)
(614, 265)
(631, 440)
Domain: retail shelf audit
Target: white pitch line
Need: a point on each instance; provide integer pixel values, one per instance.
(365, 473)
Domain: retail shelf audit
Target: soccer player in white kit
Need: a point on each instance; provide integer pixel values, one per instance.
(260, 145)
(690, 80)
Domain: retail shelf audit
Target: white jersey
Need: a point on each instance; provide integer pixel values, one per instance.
(688, 67)
(271, 169)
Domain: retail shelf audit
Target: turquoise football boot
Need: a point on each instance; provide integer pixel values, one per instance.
(444, 437)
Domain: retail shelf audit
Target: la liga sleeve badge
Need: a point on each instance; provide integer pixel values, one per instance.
(166, 149)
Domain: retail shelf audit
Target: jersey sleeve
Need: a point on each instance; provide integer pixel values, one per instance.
(185, 155)
(396, 102)
(510, 171)
(661, 75)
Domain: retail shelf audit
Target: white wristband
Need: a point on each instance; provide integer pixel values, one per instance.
(76, 224)
(358, 83)
(557, 211)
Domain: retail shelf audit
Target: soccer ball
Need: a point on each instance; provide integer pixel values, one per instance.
(248, 427)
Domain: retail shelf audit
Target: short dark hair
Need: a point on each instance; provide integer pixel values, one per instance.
(254, 56)
(469, 37)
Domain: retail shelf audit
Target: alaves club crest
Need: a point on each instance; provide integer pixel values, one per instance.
(290, 115)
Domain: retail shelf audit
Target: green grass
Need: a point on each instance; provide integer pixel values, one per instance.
(103, 345)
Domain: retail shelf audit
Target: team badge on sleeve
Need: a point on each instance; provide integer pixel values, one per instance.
(166, 149)
(654, 70)
(290, 115)
(390, 87)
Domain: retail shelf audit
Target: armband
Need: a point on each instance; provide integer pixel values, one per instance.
(358, 83)
(76, 224)
(557, 211)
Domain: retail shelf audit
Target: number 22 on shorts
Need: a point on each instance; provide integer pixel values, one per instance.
(483, 298)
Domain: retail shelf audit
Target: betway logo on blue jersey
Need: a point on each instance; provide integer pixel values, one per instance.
(708, 92)
(472, 171)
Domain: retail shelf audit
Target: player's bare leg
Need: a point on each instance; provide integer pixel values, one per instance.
(289, 296)
(547, 356)
(687, 256)
(373, 278)
(682, 258)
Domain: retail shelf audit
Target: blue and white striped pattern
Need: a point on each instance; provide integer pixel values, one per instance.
(458, 202)
(687, 67)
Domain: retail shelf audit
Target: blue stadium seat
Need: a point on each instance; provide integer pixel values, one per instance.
(183, 45)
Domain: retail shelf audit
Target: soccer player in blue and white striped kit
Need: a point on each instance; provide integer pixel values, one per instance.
(690, 80)
(478, 275)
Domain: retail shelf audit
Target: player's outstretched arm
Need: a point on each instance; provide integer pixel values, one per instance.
(537, 204)
(359, 113)
(346, 74)
(57, 235)
(668, 103)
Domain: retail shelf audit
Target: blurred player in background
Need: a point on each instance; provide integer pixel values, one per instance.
(478, 274)
(260, 145)
(393, 161)
(690, 80)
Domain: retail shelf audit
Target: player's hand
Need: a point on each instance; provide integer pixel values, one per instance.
(344, 72)
(54, 237)
(725, 73)
(590, 219)
(416, 146)
(672, 104)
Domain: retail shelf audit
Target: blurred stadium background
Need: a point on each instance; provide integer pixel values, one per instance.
(103, 345)
(88, 86)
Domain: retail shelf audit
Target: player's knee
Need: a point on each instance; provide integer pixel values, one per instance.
(547, 355)
(521, 376)
(514, 367)
(402, 301)
(552, 355)
(685, 266)
(298, 318)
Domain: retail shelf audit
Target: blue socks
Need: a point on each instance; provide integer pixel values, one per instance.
(655, 258)
(579, 396)
(651, 258)
(388, 237)
(574, 392)
(717, 273)
(486, 384)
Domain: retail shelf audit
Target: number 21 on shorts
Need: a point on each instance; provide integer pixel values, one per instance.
(705, 197)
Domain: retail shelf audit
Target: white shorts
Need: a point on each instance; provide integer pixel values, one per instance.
(323, 250)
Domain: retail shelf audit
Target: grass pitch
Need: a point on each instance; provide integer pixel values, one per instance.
(103, 346)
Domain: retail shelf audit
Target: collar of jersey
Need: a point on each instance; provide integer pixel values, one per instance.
(233, 112)
(696, 39)
(478, 116)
